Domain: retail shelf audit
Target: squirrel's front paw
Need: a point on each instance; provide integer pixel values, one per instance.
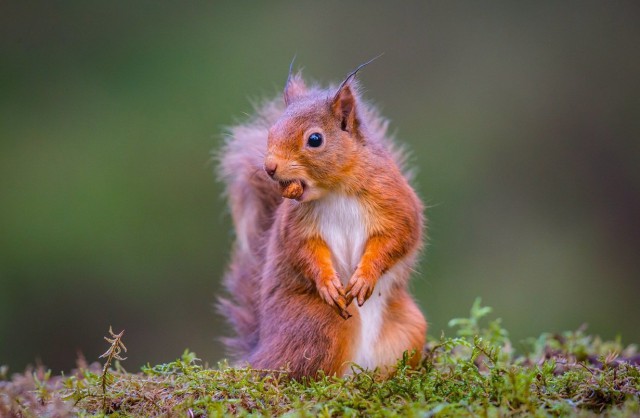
(360, 288)
(332, 293)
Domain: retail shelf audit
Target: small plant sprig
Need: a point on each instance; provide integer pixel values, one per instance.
(112, 353)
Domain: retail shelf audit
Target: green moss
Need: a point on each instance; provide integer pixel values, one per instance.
(475, 373)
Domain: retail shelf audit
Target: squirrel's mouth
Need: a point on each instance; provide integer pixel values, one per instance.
(292, 189)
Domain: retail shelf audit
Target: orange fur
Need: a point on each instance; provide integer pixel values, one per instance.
(353, 231)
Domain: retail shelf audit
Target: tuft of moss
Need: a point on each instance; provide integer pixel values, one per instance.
(474, 373)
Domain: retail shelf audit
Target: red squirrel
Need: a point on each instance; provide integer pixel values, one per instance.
(328, 230)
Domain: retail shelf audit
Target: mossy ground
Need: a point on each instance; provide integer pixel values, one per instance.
(475, 373)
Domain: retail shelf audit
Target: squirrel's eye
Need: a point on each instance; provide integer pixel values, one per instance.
(315, 140)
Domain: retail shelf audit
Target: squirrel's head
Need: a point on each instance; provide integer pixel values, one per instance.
(316, 141)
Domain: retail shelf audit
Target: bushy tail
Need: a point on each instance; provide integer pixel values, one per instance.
(253, 199)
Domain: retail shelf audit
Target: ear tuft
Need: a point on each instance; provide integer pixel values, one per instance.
(294, 88)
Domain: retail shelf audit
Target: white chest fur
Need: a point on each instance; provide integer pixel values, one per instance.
(342, 224)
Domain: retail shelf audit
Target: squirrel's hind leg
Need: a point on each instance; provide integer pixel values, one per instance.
(315, 338)
(404, 330)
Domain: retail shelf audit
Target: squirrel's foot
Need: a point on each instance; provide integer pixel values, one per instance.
(332, 292)
(360, 287)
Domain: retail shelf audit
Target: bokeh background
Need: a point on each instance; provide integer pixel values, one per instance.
(523, 119)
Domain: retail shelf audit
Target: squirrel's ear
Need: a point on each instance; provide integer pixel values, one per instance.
(344, 108)
(295, 87)
(344, 101)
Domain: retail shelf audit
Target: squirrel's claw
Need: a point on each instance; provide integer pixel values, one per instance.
(345, 314)
(359, 288)
(333, 294)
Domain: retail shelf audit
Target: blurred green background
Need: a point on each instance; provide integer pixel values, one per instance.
(523, 118)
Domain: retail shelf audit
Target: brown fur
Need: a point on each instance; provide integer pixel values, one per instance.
(290, 307)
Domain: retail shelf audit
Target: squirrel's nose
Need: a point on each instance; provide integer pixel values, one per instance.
(270, 167)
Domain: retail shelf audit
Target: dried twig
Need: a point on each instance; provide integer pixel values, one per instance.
(112, 353)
